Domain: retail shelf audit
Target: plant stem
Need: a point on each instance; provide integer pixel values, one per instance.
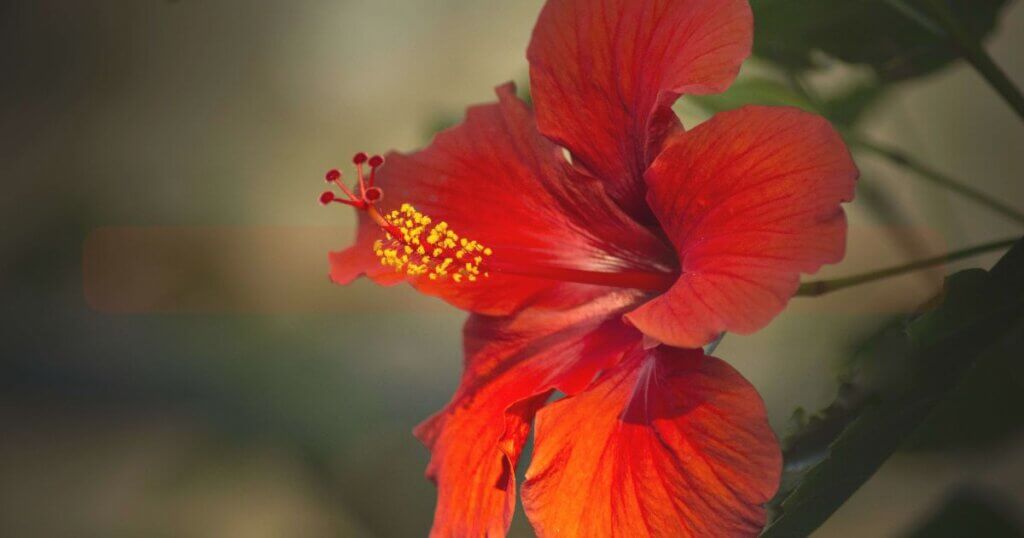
(939, 178)
(821, 287)
(972, 51)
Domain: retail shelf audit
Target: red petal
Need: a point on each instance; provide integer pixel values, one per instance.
(359, 259)
(512, 365)
(496, 180)
(750, 199)
(669, 443)
(604, 75)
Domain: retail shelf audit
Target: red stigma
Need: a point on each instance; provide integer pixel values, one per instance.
(365, 194)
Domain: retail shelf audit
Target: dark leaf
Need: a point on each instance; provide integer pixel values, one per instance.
(978, 319)
(896, 42)
(751, 91)
(850, 106)
(977, 414)
(970, 513)
(843, 109)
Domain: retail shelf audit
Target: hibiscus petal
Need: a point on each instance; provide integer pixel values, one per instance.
(359, 259)
(750, 199)
(496, 180)
(668, 443)
(513, 363)
(604, 75)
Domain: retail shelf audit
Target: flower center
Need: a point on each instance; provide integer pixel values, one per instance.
(416, 245)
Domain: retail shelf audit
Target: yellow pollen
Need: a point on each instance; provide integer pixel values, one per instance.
(426, 248)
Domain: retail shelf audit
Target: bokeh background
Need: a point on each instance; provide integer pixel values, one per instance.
(222, 387)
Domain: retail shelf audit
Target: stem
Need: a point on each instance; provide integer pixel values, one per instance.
(821, 287)
(972, 51)
(939, 178)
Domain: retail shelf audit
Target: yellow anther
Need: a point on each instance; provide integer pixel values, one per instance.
(431, 250)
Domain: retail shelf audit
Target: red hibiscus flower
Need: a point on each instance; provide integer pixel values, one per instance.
(601, 274)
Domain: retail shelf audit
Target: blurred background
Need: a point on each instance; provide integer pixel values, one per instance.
(175, 363)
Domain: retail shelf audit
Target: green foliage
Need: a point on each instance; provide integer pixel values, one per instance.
(752, 91)
(844, 109)
(895, 38)
(970, 513)
(980, 412)
(978, 319)
(848, 107)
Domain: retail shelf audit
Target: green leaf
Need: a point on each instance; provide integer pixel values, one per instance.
(893, 37)
(751, 91)
(978, 319)
(843, 109)
(974, 415)
(970, 513)
(850, 106)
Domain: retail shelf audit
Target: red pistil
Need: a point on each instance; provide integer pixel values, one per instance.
(368, 193)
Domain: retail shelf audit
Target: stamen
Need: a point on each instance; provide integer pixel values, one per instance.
(417, 246)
